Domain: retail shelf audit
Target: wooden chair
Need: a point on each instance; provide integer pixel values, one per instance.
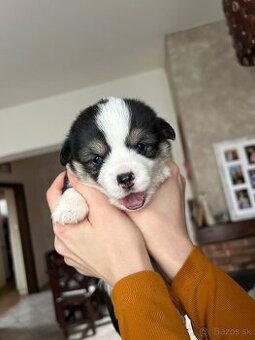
(77, 299)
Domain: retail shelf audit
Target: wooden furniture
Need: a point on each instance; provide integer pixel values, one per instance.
(231, 246)
(77, 299)
(240, 16)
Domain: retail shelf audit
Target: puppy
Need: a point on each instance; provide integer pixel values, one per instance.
(119, 146)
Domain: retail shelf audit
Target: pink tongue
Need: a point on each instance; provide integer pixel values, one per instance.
(133, 201)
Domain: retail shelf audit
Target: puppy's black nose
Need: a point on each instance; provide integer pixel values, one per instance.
(126, 180)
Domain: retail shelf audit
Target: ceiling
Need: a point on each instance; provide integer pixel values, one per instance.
(53, 46)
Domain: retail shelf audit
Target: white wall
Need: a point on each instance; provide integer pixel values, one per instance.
(40, 126)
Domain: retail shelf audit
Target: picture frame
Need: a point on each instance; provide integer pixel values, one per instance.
(236, 165)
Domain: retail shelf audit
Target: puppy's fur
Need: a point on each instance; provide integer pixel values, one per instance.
(118, 145)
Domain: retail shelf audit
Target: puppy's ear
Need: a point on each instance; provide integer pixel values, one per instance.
(165, 129)
(65, 153)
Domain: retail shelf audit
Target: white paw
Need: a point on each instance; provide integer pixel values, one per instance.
(71, 208)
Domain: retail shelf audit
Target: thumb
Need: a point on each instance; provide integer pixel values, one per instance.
(55, 191)
(91, 194)
(72, 178)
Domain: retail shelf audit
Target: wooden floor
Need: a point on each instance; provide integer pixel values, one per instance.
(9, 297)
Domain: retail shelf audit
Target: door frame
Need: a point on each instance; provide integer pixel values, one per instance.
(25, 235)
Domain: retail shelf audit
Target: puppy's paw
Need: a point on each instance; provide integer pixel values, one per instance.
(71, 208)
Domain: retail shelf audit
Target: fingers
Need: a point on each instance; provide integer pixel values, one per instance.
(183, 180)
(182, 185)
(81, 268)
(91, 194)
(61, 249)
(176, 173)
(86, 190)
(72, 260)
(55, 190)
(72, 231)
(74, 264)
(72, 178)
(173, 166)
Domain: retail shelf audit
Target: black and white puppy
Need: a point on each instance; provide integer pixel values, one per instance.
(120, 146)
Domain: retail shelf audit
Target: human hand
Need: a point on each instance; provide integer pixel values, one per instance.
(106, 245)
(163, 224)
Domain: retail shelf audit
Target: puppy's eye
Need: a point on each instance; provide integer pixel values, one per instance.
(143, 148)
(98, 160)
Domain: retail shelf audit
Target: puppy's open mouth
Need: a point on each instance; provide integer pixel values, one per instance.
(134, 200)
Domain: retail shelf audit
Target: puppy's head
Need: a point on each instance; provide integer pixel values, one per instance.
(119, 145)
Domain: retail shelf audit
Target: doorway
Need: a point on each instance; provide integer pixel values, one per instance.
(17, 254)
(7, 272)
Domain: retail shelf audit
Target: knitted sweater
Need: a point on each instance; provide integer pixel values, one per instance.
(217, 306)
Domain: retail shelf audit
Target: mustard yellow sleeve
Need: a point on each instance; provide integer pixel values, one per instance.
(217, 306)
(144, 309)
